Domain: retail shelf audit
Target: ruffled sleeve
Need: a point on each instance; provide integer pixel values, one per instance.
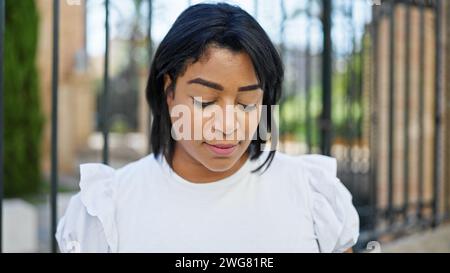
(88, 224)
(336, 221)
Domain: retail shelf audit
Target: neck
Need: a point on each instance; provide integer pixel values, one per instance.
(190, 169)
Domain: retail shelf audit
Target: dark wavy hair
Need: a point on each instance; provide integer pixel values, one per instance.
(196, 28)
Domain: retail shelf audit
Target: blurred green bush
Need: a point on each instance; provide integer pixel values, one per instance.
(347, 107)
(23, 116)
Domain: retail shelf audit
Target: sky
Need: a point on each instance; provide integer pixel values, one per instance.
(268, 15)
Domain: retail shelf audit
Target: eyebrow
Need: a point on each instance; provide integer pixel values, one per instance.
(219, 87)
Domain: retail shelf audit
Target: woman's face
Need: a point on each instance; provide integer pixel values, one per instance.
(215, 108)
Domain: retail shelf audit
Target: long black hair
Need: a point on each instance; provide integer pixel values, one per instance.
(196, 28)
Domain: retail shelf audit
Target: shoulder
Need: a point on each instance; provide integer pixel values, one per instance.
(80, 231)
(312, 162)
(89, 223)
(336, 221)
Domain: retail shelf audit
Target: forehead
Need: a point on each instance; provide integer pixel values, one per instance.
(223, 66)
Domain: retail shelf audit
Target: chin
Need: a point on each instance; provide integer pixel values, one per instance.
(219, 164)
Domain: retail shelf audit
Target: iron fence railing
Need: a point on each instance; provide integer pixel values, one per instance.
(386, 218)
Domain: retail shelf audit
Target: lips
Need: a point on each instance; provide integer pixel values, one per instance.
(222, 149)
(223, 146)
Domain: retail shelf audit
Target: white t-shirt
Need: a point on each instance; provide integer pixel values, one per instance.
(297, 205)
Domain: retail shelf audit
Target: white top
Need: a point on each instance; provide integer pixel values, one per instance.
(297, 205)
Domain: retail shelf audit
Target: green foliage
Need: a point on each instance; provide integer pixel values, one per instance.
(294, 119)
(23, 116)
(347, 114)
(347, 111)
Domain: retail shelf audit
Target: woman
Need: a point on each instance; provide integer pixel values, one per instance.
(210, 185)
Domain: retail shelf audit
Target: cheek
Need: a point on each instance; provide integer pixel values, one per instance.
(197, 118)
(251, 122)
(198, 122)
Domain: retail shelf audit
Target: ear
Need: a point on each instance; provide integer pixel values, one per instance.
(167, 82)
(169, 93)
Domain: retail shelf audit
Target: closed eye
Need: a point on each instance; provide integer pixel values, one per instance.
(248, 107)
(201, 104)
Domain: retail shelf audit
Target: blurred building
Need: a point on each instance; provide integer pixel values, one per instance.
(80, 84)
(76, 96)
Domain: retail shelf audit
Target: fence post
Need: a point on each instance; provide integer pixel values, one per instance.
(420, 203)
(54, 133)
(325, 120)
(391, 143)
(308, 75)
(2, 33)
(150, 54)
(439, 99)
(104, 112)
(406, 135)
(374, 119)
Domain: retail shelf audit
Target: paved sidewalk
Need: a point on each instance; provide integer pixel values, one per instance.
(433, 241)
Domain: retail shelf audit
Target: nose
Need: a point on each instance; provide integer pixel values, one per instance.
(226, 122)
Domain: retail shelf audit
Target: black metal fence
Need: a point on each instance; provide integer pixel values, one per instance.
(363, 164)
(390, 195)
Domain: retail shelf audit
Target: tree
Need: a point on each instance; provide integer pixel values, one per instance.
(23, 116)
